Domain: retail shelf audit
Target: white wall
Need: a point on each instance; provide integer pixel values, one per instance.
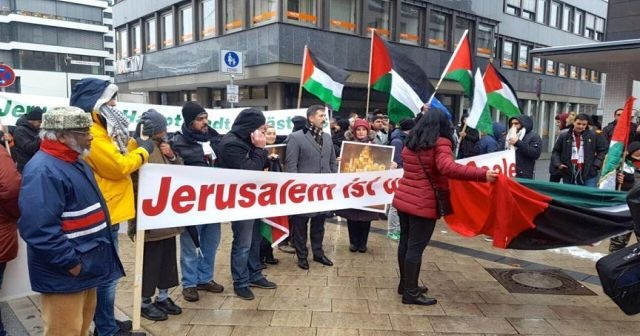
(46, 83)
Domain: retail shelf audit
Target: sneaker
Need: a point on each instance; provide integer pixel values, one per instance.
(168, 306)
(393, 235)
(263, 283)
(125, 325)
(190, 294)
(153, 313)
(211, 286)
(244, 293)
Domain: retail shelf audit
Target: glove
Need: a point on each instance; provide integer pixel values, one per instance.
(146, 144)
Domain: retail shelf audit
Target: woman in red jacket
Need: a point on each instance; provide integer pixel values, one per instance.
(428, 160)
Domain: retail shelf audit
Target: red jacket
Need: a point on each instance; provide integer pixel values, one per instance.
(414, 194)
(9, 213)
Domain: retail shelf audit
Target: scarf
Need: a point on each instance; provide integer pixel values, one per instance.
(316, 132)
(117, 126)
(202, 139)
(577, 150)
(513, 132)
(59, 150)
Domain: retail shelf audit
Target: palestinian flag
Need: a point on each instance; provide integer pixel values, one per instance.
(480, 115)
(322, 79)
(393, 72)
(617, 148)
(536, 215)
(275, 229)
(500, 94)
(459, 67)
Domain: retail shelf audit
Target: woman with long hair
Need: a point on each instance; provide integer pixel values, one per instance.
(428, 164)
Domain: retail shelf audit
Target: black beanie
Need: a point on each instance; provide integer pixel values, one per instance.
(34, 114)
(344, 124)
(299, 122)
(190, 110)
(407, 124)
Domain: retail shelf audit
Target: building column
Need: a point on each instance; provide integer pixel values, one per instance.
(618, 88)
(204, 97)
(275, 94)
(154, 98)
(552, 136)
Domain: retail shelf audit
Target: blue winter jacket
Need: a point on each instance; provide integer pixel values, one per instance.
(490, 143)
(397, 140)
(65, 222)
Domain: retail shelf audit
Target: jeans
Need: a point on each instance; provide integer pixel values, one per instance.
(246, 266)
(415, 234)
(104, 317)
(591, 182)
(199, 269)
(393, 222)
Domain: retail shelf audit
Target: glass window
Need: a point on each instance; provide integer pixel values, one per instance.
(302, 11)
(595, 76)
(554, 14)
(462, 24)
(584, 74)
(507, 54)
(122, 51)
(166, 30)
(513, 7)
(233, 15)
(538, 64)
(207, 18)
(541, 11)
(590, 26)
(562, 70)
(567, 18)
(439, 30)
(599, 29)
(484, 41)
(578, 16)
(528, 9)
(377, 14)
(410, 23)
(136, 40)
(344, 15)
(186, 24)
(150, 35)
(551, 68)
(573, 72)
(264, 11)
(523, 57)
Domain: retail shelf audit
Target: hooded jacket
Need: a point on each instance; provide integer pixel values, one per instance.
(491, 142)
(397, 141)
(235, 150)
(27, 142)
(9, 213)
(595, 149)
(528, 149)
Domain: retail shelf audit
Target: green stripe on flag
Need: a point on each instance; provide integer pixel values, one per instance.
(463, 77)
(398, 111)
(611, 163)
(498, 101)
(266, 231)
(323, 93)
(383, 84)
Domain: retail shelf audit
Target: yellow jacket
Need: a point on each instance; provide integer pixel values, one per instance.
(112, 171)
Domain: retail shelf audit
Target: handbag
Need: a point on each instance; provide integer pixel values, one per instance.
(443, 202)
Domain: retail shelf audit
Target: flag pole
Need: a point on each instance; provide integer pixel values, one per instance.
(304, 62)
(446, 68)
(366, 111)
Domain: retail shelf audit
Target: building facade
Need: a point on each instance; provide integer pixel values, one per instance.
(170, 50)
(53, 43)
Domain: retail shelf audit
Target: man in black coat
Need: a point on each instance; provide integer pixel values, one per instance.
(528, 146)
(468, 139)
(634, 134)
(243, 148)
(25, 136)
(579, 153)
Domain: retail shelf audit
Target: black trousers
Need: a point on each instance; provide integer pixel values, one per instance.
(266, 251)
(358, 232)
(299, 224)
(160, 268)
(415, 234)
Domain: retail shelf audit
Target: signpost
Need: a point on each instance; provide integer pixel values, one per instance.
(231, 62)
(7, 76)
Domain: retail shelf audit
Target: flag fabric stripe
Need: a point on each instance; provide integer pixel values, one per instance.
(275, 229)
(404, 93)
(500, 94)
(459, 66)
(380, 60)
(464, 77)
(619, 139)
(324, 92)
(323, 80)
(498, 100)
(479, 116)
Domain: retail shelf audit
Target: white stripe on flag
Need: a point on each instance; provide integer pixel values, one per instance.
(81, 212)
(326, 81)
(87, 231)
(479, 101)
(404, 93)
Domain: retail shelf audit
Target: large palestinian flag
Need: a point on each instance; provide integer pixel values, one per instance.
(479, 116)
(459, 67)
(322, 79)
(617, 147)
(391, 71)
(275, 229)
(535, 215)
(500, 93)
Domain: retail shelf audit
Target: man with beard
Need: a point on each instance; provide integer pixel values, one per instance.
(65, 225)
(26, 137)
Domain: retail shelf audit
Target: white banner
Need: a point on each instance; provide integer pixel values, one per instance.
(13, 105)
(170, 196)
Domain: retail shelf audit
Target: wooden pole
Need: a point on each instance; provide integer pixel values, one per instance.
(304, 63)
(137, 279)
(366, 111)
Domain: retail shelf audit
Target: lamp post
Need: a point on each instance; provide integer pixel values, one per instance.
(67, 62)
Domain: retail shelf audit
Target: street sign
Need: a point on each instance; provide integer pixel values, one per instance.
(233, 93)
(7, 76)
(231, 62)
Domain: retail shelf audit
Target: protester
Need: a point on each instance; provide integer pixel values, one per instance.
(113, 157)
(266, 251)
(377, 122)
(528, 145)
(625, 181)
(428, 162)
(563, 122)
(195, 143)
(310, 150)
(243, 148)
(490, 143)
(634, 130)
(398, 137)
(578, 154)
(9, 213)
(359, 221)
(468, 137)
(160, 268)
(342, 126)
(65, 225)
(26, 138)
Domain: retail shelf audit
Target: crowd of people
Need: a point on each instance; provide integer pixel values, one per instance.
(72, 184)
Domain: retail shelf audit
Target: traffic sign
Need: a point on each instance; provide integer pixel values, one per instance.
(231, 62)
(233, 93)
(233, 98)
(7, 76)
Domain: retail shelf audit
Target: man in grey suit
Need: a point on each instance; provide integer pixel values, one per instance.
(310, 150)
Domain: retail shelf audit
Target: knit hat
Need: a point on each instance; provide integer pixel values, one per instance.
(633, 146)
(153, 122)
(64, 118)
(190, 111)
(343, 123)
(361, 123)
(299, 122)
(407, 124)
(34, 114)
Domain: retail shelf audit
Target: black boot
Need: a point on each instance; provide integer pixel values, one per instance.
(412, 293)
(423, 289)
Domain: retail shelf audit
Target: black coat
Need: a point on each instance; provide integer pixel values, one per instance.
(528, 149)
(468, 143)
(608, 132)
(27, 142)
(236, 151)
(595, 149)
(190, 150)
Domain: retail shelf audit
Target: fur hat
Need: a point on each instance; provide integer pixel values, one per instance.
(64, 118)
(34, 114)
(360, 123)
(407, 124)
(190, 111)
